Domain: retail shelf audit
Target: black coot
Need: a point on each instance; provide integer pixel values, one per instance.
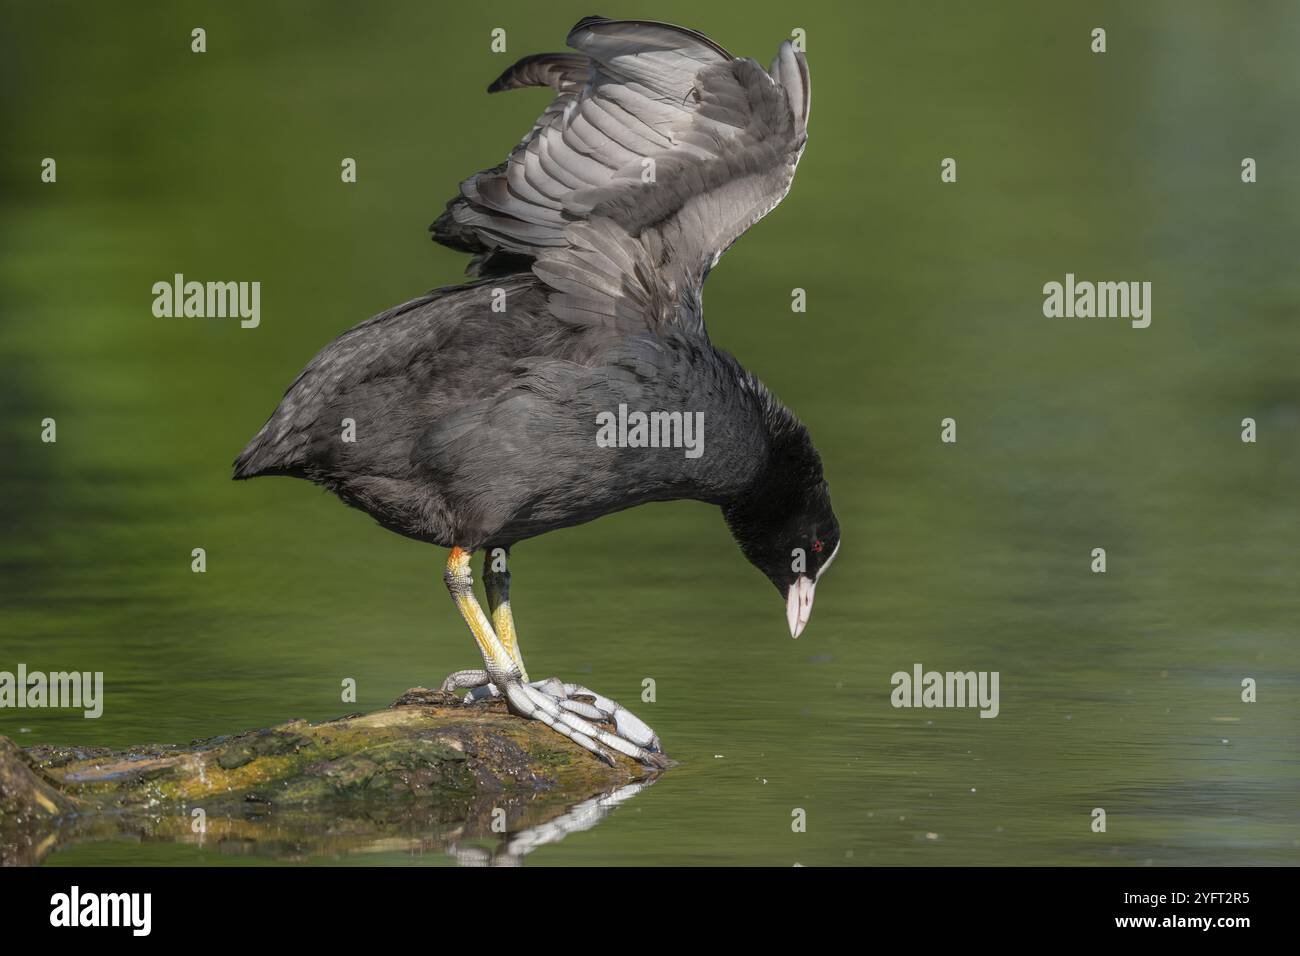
(574, 377)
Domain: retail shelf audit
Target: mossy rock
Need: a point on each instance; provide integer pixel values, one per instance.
(426, 761)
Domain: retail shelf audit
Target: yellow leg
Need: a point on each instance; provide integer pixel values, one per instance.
(461, 585)
(552, 702)
(496, 582)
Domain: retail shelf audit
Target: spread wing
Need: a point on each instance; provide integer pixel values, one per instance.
(658, 151)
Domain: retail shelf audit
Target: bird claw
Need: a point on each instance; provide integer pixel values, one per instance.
(628, 724)
(575, 711)
(572, 710)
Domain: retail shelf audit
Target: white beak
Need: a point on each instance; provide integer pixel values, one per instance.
(798, 604)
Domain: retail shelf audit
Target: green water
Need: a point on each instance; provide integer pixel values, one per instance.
(1118, 690)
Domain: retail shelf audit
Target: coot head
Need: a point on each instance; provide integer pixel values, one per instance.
(789, 532)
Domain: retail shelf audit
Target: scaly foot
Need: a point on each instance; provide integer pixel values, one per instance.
(569, 709)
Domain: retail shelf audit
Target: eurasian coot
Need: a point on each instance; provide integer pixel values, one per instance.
(574, 377)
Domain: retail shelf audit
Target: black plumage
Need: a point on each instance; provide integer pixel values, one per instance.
(477, 429)
(475, 407)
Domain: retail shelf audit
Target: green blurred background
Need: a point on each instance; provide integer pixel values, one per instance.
(924, 301)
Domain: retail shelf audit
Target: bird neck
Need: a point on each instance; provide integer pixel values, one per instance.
(791, 464)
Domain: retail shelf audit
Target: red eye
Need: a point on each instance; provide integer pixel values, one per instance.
(817, 545)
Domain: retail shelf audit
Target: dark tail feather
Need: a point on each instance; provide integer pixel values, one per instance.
(247, 466)
(261, 458)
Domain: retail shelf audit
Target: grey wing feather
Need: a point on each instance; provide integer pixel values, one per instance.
(659, 150)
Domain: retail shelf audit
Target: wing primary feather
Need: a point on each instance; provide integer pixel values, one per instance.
(658, 150)
(560, 71)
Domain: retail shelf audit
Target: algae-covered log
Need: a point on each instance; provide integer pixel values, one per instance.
(424, 774)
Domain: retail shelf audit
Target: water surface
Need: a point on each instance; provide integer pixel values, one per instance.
(1118, 690)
